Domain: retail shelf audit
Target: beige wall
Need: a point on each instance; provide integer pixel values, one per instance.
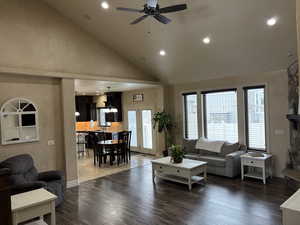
(154, 100)
(35, 39)
(46, 94)
(298, 26)
(277, 95)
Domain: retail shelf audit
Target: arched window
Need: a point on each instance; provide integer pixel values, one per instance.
(19, 121)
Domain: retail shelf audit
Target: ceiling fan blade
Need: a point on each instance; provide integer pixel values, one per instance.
(173, 8)
(162, 19)
(139, 19)
(129, 10)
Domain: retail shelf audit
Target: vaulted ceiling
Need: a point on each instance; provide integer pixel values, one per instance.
(241, 42)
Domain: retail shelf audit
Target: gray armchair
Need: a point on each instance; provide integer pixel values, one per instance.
(24, 177)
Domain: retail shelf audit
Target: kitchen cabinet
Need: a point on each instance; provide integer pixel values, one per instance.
(114, 99)
(86, 107)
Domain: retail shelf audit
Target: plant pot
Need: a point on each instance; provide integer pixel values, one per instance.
(176, 160)
(165, 153)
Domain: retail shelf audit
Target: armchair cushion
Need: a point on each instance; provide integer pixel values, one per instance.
(22, 169)
(50, 176)
(20, 188)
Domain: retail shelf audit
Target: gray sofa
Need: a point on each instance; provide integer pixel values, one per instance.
(227, 163)
(24, 177)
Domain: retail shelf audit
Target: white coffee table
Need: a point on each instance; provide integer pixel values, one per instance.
(188, 172)
(32, 204)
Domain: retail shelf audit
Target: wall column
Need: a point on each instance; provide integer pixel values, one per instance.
(298, 27)
(68, 107)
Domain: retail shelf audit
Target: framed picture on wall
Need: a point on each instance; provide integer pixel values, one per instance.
(138, 98)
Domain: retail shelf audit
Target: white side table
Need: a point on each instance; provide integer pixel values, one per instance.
(32, 204)
(256, 160)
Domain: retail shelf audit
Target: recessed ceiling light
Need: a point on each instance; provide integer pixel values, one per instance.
(206, 40)
(105, 5)
(162, 52)
(272, 21)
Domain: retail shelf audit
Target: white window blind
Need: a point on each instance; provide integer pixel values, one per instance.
(191, 117)
(220, 115)
(255, 118)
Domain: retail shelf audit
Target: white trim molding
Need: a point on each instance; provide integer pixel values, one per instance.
(72, 75)
(72, 183)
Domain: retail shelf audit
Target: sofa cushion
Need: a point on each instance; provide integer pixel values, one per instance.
(193, 156)
(229, 148)
(211, 160)
(207, 153)
(189, 146)
(214, 161)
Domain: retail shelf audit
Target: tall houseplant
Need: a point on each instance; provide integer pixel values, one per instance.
(163, 121)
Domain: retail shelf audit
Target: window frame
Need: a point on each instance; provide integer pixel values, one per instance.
(184, 96)
(245, 91)
(204, 102)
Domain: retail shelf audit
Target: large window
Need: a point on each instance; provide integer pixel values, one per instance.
(255, 117)
(220, 115)
(190, 116)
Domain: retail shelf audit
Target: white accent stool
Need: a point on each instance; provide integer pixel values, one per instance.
(32, 204)
(256, 160)
(291, 210)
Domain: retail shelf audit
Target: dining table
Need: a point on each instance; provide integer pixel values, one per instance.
(109, 145)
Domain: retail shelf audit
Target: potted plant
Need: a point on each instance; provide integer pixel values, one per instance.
(177, 154)
(163, 122)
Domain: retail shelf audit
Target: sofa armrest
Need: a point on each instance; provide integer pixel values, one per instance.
(51, 175)
(20, 188)
(236, 154)
(233, 163)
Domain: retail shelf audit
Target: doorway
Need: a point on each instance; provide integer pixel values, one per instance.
(140, 123)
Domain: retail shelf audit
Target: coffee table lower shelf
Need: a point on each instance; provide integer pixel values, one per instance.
(194, 179)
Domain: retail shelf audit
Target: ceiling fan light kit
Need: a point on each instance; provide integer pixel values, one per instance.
(151, 8)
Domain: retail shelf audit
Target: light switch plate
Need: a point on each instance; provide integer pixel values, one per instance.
(279, 132)
(51, 142)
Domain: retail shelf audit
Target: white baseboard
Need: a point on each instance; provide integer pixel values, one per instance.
(72, 183)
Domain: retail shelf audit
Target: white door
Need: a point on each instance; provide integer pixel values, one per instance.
(140, 123)
(132, 126)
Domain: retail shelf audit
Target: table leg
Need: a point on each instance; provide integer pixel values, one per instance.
(271, 167)
(190, 183)
(242, 171)
(153, 175)
(14, 220)
(205, 174)
(264, 174)
(53, 217)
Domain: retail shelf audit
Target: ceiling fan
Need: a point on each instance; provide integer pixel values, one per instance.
(151, 8)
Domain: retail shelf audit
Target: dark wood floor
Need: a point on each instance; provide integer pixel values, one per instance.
(130, 198)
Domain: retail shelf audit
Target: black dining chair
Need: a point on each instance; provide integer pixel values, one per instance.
(123, 138)
(128, 150)
(105, 150)
(93, 138)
